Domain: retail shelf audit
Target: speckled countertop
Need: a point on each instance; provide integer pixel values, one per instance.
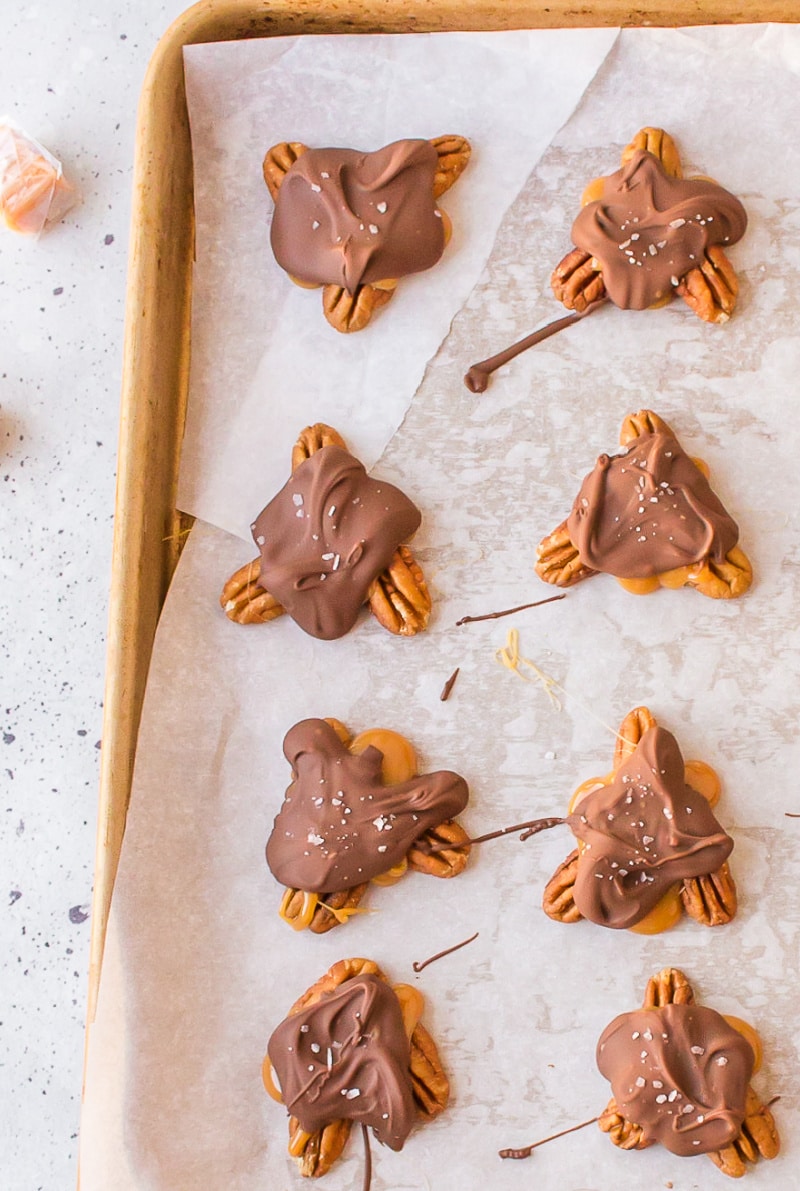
(70, 73)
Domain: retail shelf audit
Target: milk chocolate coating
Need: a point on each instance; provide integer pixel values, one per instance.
(679, 1072)
(647, 511)
(339, 825)
(347, 218)
(326, 536)
(649, 229)
(347, 1058)
(642, 833)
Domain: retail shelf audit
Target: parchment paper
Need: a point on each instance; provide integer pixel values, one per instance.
(199, 968)
(264, 361)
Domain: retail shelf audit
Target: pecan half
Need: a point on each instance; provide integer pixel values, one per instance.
(711, 289)
(454, 153)
(621, 1131)
(278, 161)
(442, 864)
(710, 900)
(244, 601)
(631, 730)
(318, 1151)
(558, 561)
(758, 1139)
(348, 312)
(324, 919)
(399, 597)
(660, 144)
(723, 581)
(337, 974)
(644, 421)
(558, 901)
(313, 439)
(669, 987)
(430, 1084)
(577, 280)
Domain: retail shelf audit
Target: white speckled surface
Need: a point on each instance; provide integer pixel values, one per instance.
(194, 992)
(70, 71)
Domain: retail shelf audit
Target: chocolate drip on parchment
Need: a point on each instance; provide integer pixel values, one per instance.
(477, 377)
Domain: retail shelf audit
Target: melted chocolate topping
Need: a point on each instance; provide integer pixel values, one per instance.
(326, 536)
(649, 229)
(642, 833)
(679, 1072)
(647, 511)
(339, 826)
(347, 218)
(347, 1058)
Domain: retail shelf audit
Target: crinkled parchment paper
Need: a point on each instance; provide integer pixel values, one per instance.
(199, 968)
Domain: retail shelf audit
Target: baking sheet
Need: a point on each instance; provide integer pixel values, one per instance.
(199, 969)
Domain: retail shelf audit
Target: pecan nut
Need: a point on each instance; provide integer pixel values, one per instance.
(317, 1152)
(324, 918)
(313, 439)
(430, 1085)
(399, 597)
(441, 864)
(631, 731)
(711, 288)
(558, 561)
(660, 144)
(723, 581)
(644, 421)
(621, 1131)
(558, 901)
(758, 1139)
(338, 974)
(454, 153)
(348, 312)
(669, 987)
(710, 900)
(577, 281)
(278, 161)
(244, 601)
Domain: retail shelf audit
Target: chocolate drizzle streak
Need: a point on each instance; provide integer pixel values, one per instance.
(509, 611)
(326, 536)
(448, 686)
(477, 377)
(418, 967)
(641, 834)
(526, 1151)
(681, 1073)
(347, 1057)
(343, 217)
(367, 1159)
(339, 824)
(532, 827)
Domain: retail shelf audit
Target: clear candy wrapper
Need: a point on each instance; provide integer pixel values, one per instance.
(33, 189)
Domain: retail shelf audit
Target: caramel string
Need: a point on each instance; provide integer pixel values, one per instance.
(367, 1159)
(510, 657)
(448, 686)
(509, 611)
(526, 1151)
(477, 377)
(417, 966)
(532, 827)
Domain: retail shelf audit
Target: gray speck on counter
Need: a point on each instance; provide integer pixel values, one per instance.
(78, 914)
(14, 895)
(109, 239)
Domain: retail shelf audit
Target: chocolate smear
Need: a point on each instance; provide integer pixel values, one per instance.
(339, 825)
(417, 966)
(448, 686)
(477, 377)
(509, 611)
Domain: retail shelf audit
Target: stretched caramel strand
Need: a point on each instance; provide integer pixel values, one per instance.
(532, 827)
(477, 377)
(526, 1151)
(417, 966)
(509, 611)
(448, 686)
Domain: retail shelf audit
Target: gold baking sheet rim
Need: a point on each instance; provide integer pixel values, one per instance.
(149, 532)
